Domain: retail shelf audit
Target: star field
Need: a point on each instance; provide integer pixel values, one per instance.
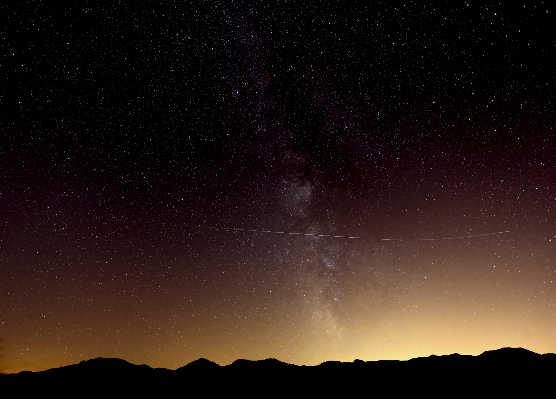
(139, 144)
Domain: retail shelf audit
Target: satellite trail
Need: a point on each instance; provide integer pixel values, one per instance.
(446, 238)
(297, 233)
(317, 235)
(291, 233)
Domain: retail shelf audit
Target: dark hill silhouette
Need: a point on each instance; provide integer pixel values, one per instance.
(511, 354)
(201, 365)
(506, 370)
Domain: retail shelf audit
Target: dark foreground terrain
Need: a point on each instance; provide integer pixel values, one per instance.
(504, 371)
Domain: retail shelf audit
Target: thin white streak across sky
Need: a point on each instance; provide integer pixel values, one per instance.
(298, 233)
(446, 238)
(281, 232)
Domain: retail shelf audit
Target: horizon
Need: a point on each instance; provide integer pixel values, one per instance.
(299, 365)
(296, 180)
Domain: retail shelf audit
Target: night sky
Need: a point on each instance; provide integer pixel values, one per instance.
(139, 139)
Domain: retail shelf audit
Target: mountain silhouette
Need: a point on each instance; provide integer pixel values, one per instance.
(506, 370)
(201, 365)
